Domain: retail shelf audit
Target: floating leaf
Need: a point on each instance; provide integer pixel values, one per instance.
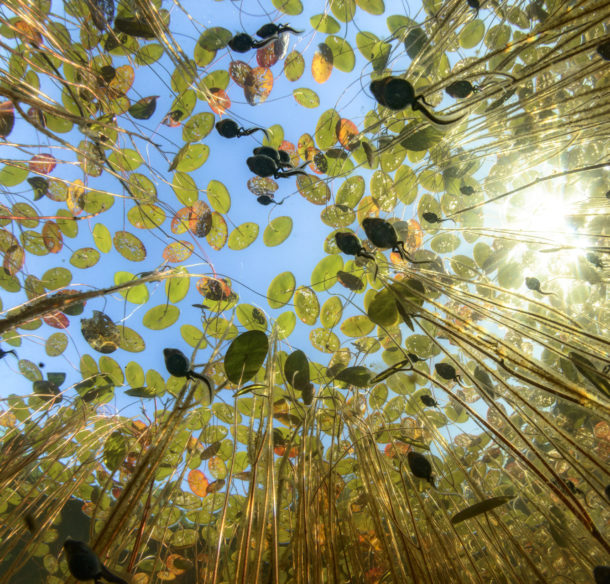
(313, 189)
(160, 317)
(115, 450)
(296, 370)
(326, 129)
(42, 163)
(324, 275)
(85, 257)
(214, 38)
(239, 72)
(219, 101)
(358, 376)
(7, 118)
(290, 7)
(481, 507)
(281, 289)
(343, 54)
(277, 231)
(219, 232)
(306, 97)
(322, 63)
(472, 34)
(100, 332)
(245, 356)
(129, 246)
(198, 483)
(144, 108)
(258, 85)
(218, 196)
(178, 251)
(243, 236)
(294, 66)
(306, 305)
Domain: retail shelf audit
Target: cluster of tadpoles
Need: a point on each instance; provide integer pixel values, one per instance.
(266, 161)
(268, 33)
(381, 234)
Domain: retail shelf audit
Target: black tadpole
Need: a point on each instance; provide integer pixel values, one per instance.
(84, 564)
(4, 353)
(428, 400)
(265, 166)
(534, 284)
(420, 466)
(382, 234)
(178, 365)
(230, 129)
(397, 94)
(242, 42)
(271, 29)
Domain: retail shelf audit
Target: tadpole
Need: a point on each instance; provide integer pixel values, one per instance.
(84, 564)
(382, 234)
(230, 129)
(447, 372)
(420, 466)
(242, 42)
(460, 89)
(178, 365)
(264, 166)
(397, 94)
(270, 29)
(534, 284)
(428, 400)
(350, 244)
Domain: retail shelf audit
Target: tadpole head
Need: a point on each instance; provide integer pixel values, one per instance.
(428, 400)
(267, 151)
(348, 243)
(446, 371)
(432, 217)
(533, 284)
(268, 30)
(265, 200)
(176, 362)
(392, 92)
(227, 128)
(466, 190)
(380, 233)
(262, 165)
(460, 89)
(420, 466)
(241, 43)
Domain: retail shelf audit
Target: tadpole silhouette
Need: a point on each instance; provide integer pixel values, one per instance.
(350, 244)
(230, 129)
(178, 365)
(242, 42)
(474, 4)
(264, 166)
(281, 157)
(428, 400)
(466, 190)
(534, 284)
(382, 234)
(460, 89)
(84, 564)
(595, 260)
(267, 200)
(447, 372)
(4, 353)
(420, 466)
(272, 29)
(601, 574)
(397, 94)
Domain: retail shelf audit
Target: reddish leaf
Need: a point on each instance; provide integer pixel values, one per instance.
(259, 85)
(52, 237)
(239, 71)
(215, 486)
(28, 33)
(196, 219)
(198, 483)
(415, 236)
(292, 150)
(42, 163)
(7, 118)
(219, 101)
(172, 119)
(57, 320)
(178, 251)
(214, 289)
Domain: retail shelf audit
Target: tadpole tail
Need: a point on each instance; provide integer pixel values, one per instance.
(252, 130)
(443, 122)
(110, 577)
(264, 42)
(292, 30)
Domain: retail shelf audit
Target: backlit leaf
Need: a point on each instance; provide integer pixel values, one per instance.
(277, 231)
(480, 507)
(245, 356)
(322, 63)
(281, 289)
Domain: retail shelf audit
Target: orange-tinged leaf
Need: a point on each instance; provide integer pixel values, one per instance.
(322, 63)
(177, 564)
(292, 150)
(198, 483)
(56, 320)
(43, 163)
(27, 32)
(262, 186)
(239, 71)
(178, 251)
(214, 289)
(258, 85)
(601, 431)
(76, 197)
(268, 56)
(415, 236)
(123, 79)
(196, 219)
(52, 237)
(347, 132)
(219, 101)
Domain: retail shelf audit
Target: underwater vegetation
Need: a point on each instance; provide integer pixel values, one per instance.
(391, 365)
